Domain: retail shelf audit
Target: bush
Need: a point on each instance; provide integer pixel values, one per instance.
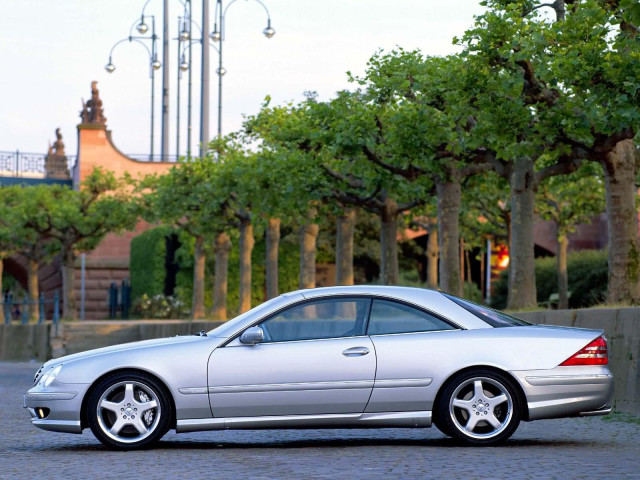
(472, 292)
(160, 307)
(588, 275)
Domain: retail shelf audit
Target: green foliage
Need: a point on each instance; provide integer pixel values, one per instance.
(472, 292)
(287, 272)
(147, 262)
(587, 271)
(572, 199)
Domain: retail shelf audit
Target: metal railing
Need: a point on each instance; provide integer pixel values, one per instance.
(21, 310)
(30, 165)
(145, 157)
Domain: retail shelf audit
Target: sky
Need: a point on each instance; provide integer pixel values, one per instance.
(50, 51)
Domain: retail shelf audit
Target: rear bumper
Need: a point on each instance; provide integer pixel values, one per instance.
(604, 410)
(567, 391)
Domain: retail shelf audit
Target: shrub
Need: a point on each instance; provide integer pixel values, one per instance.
(160, 307)
(588, 275)
(147, 262)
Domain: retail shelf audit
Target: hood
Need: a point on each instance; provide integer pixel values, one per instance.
(156, 342)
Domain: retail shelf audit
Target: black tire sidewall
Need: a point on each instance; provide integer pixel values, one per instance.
(164, 423)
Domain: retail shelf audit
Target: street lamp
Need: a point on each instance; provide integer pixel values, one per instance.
(218, 35)
(154, 64)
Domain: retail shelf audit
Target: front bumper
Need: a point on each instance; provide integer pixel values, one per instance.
(567, 391)
(56, 409)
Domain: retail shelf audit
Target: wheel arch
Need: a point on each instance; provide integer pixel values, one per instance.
(514, 381)
(84, 423)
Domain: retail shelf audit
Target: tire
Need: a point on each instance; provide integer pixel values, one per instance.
(129, 410)
(479, 407)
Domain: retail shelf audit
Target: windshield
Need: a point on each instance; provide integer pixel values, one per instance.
(229, 328)
(493, 317)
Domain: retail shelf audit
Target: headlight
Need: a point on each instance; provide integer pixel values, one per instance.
(49, 376)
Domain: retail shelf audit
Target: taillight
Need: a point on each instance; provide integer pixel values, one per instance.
(593, 354)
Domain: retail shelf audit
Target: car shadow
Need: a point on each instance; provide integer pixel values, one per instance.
(326, 443)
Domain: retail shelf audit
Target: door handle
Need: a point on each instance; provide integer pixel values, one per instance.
(355, 351)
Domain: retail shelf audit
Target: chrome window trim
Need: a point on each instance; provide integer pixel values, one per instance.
(370, 296)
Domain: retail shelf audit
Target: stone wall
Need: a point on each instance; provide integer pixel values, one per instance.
(622, 328)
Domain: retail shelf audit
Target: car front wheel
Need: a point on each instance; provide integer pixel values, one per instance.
(479, 407)
(128, 411)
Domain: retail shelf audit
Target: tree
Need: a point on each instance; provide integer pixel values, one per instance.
(21, 222)
(76, 221)
(433, 135)
(292, 183)
(187, 197)
(567, 202)
(350, 135)
(578, 85)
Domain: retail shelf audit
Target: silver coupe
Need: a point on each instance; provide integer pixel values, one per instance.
(339, 357)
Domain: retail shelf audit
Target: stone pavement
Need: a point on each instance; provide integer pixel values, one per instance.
(549, 449)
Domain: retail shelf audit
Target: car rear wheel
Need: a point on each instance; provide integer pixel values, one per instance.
(479, 407)
(129, 410)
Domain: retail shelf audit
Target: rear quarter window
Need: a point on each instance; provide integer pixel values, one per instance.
(488, 315)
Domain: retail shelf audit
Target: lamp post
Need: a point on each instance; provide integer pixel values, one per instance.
(154, 63)
(142, 29)
(185, 63)
(218, 35)
(184, 60)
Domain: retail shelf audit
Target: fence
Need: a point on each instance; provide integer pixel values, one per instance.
(20, 310)
(119, 299)
(32, 165)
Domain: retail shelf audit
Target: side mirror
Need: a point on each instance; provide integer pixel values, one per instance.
(252, 335)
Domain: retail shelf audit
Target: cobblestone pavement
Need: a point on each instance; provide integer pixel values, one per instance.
(548, 449)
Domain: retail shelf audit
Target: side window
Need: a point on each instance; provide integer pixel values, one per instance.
(318, 319)
(392, 317)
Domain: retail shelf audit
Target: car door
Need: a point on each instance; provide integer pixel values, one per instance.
(315, 359)
(405, 338)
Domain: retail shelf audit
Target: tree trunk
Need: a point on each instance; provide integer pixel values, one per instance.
(68, 286)
(273, 244)
(389, 271)
(462, 261)
(1, 270)
(246, 247)
(522, 274)
(199, 260)
(449, 199)
(345, 227)
(563, 277)
(432, 253)
(32, 288)
(624, 252)
(308, 237)
(222, 249)
(559, 7)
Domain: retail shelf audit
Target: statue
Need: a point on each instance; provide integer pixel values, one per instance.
(58, 145)
(92, 110)
(55, 163)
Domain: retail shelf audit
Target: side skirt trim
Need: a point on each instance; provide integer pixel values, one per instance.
(351, 420)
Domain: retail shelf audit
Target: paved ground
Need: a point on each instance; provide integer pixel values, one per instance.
(565, 449)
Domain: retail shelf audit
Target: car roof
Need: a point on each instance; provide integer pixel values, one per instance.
(428, 299)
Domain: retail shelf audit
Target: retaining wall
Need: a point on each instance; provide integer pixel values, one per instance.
(621, 326)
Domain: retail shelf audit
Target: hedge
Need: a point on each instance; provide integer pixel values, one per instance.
(147, 262)
(588, 275)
